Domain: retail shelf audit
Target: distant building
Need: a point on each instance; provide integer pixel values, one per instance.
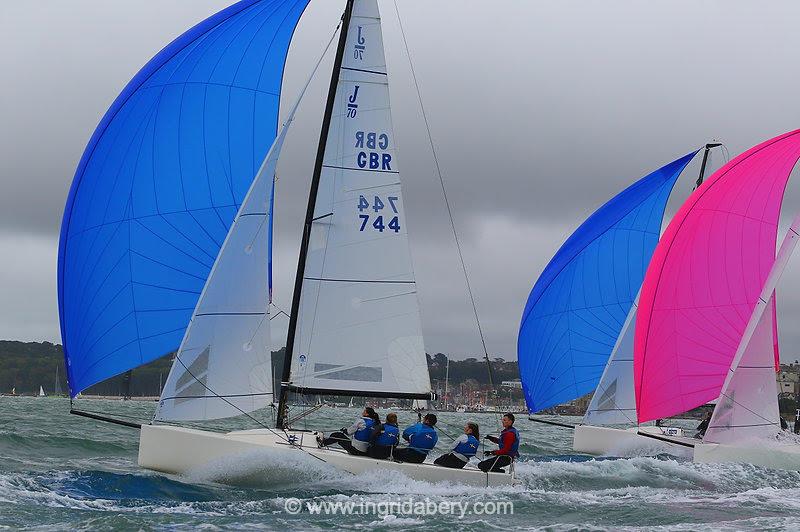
(788, 381)
(516, 383)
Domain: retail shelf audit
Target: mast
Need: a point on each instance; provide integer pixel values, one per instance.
(446, 381)
(126, 384)
(708, 148)
(312, 199)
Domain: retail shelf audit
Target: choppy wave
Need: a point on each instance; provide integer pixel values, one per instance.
(61, 472)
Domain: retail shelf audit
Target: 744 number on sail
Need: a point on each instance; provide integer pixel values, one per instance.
(378, 205)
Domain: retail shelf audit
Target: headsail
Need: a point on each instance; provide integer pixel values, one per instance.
(580, 302)
(705, 278)
(223, 367)
(358, 327)
(748, 407)
(159, 184)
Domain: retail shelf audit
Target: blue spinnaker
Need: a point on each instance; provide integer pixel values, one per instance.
(159, 184)
(578, 306)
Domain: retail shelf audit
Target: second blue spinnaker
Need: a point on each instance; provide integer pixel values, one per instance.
(579, 304)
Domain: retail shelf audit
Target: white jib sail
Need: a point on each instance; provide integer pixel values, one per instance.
(748, 404)
(223, 366)
(359, 326)
(614, 400)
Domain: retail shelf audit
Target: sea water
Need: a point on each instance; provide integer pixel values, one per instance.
(59, 471)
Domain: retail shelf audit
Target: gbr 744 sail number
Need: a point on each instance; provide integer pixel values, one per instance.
(384, 208)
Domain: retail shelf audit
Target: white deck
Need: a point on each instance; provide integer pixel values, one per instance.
(180, 450)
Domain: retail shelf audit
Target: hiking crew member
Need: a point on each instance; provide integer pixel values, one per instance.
(421, 439)
(703, 426)
(385, 438)
(464, 448)
(509, 447)
(355, 439)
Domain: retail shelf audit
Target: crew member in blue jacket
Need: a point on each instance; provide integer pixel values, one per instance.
(421, 439)
(354, 439)
(385, 438)
(464, 448)
(509, 447)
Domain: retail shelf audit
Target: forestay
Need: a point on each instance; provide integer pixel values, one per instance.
(358, 327)
(577, 308)
(160, 183)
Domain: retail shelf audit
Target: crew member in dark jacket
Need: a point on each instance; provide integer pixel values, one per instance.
(508, 441)
(385, 438)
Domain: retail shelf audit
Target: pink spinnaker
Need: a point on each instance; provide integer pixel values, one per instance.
(705, 277)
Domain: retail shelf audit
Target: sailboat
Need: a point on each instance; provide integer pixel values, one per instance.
(354, 324)
(716, 269)
(41, 392)
(576, 333)
(57, 391)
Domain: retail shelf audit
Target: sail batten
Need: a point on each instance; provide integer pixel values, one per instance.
(579, 305)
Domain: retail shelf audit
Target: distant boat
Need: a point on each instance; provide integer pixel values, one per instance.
(705, 329)
(570, 346)
(57, 388)
(41, 392)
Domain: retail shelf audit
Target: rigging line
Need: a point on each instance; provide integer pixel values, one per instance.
(446, 201)
(286, 124)
(278, 314)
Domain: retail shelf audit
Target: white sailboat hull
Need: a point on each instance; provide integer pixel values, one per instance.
(771, 455)
(180, 450)
(607, 441)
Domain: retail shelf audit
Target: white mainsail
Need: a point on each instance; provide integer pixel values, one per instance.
(748, 404)
(614, 400)
(41, 391)
(358, 327)
(223, 366)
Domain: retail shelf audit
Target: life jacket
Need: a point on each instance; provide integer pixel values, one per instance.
(514, 446)
(364, 434)
(389, 437)
(423, 438)
(467, 449)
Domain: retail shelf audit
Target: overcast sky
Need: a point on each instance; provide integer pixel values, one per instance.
(539, 112)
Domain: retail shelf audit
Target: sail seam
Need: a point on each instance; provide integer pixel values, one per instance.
(230, 314)
(366, 71)
(333, 280)
(361, 169)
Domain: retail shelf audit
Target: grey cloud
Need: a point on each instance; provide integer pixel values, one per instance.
(539, 111)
